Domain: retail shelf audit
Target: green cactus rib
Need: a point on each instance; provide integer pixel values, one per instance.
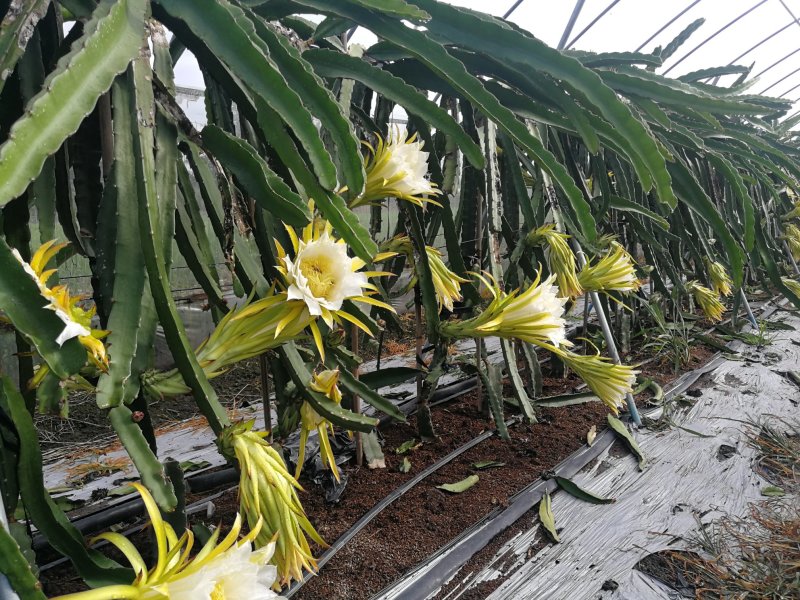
(112, 38)
(128, 265)
(255, 176)
(225, 30)
(143, 106)
(151, 471)
(15, 33)
(17, 569)
(51, 521)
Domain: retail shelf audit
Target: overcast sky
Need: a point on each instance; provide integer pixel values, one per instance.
(631, 22)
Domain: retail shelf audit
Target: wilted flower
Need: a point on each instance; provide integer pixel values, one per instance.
(310, 420)
(397, 168)
(791, 233)
(77, 321)
(720, 280)
(322, 276)
(534, 316)
(222, 570)
(610, 382)
(793, 285)
(559, 257)
(794, 213)
(707, 299)
(268, 495)
(446, 283)
(612, 273)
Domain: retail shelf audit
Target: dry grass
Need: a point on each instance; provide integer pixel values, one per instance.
(757, 556)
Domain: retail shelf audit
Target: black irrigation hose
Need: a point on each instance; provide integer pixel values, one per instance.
(378, 508)
(455, 554)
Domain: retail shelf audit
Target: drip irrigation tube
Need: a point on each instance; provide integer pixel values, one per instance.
(378, 508)
(450, 558)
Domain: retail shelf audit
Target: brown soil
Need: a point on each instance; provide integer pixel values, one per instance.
(425, 518)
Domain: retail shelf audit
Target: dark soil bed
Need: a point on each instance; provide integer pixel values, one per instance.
(426, 518)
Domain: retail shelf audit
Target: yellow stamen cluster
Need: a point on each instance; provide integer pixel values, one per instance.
(559, 257)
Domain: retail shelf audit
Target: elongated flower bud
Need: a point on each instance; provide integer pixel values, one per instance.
(397, 168)
(268, 495)
(614, 272)
(794, 213)
(534, 316)
(720, 281)
(791, 233)
(793, 285)
(559, 257)
(325, 383)
(446, 283)
(707, 299)
(611, 383)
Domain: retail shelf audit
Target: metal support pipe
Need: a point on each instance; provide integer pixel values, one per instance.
(571, 23)
(750, 316)
(608, 336)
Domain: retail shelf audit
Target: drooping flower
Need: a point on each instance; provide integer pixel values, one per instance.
(535, 316)
(397, 168)
(325, 383)
(221, 570)
(77, 321)
(559, 257)
(446, 283)
(794, 213)
(708, 300)
(614, 272)
(720, 280)
(268, 495)
(791, 233)
(611, 383)
(793, 285)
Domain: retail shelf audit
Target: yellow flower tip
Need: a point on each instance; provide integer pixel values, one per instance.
(396, 168)
(707, 299)
(720, 280)
(610, 382)
(793, 285)
(77, 321)
(614, 272)
(221, 569)
(268, 492)
(791, 233)
(559, 257)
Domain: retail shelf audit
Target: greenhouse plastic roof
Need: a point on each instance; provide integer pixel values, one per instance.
(762, 33)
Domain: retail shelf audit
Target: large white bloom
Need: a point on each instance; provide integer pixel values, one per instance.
(322, 275)
(237, 573)
(535, 316)
(397, 168)
(72, 329)
(538, 311)
(224, 569)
